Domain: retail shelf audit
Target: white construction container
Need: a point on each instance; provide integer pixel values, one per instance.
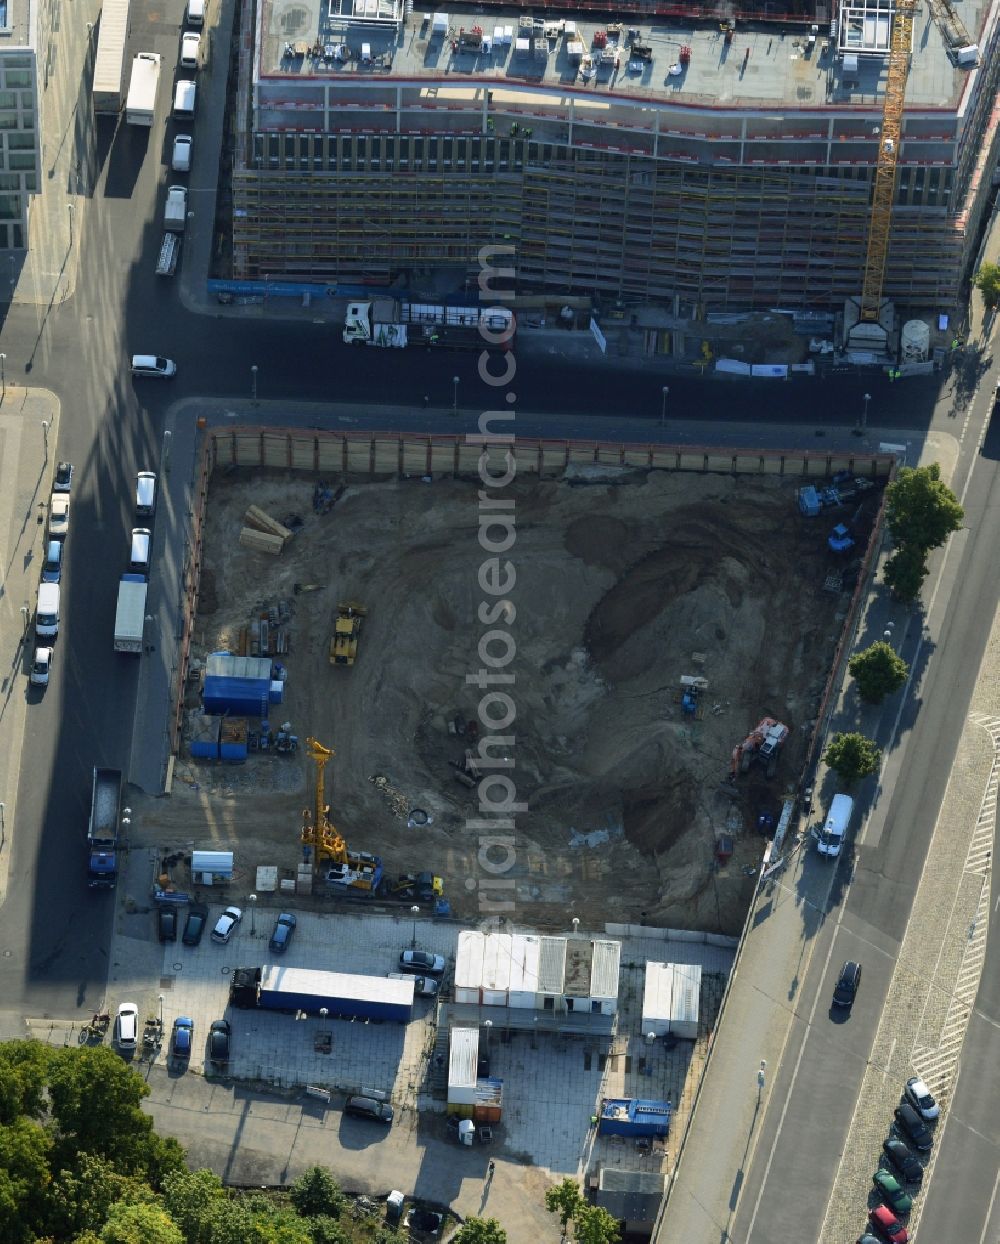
(670, 1000)
(496, 970)
(525, 952)
(469, 967)
(463, 1061)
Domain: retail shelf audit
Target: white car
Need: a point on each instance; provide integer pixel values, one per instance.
(919, 1096)
(153, 365)
(40, 667)
(127, 1023)
(228, 921)
(190, 47)
(180, 161)
(59, 516)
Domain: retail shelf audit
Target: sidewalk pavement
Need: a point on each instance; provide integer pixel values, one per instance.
(27, 461)
(782, 930)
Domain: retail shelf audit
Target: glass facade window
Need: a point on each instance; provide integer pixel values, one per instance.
(10, 206)
(21, 161)
(20, 142)
(16, 77)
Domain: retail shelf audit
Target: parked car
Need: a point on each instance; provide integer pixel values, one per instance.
(421, 962)
(59, 516)
(127, 1024)
(919, 1096)
(183, 1037)
(41, 667)
(190, 49)
(225, 924)
(426, 987)
(166, 924)
(892, 1191)
(888, 1225)
(282, 935)
(52, 565)
(903, 1162)
(194, 926)
(369, 1108)
(218, 1042)
(64, 477)
(153, 365)
(180, 159)
(913, 1127)
(846, 989)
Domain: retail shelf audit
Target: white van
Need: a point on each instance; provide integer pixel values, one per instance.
(195, 14)
(47, 611)
(185, 94)
(831, 837)
(145, 494)
(138, 562)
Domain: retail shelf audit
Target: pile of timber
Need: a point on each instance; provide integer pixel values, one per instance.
(262, 533)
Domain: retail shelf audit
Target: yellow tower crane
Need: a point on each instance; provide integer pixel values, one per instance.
(900, 45)
(317, 832)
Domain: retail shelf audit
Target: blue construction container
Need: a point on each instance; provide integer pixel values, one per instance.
(239, 686)
(632, 1116)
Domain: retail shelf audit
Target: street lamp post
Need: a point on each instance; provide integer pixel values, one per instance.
(3, 375)
(864, 413)
(663, 406)
(253, 381)
(45, 433)
(253, 915)
(454, 401)
(414, 912)
(25, 615)
(70, 207)
(161, 1010)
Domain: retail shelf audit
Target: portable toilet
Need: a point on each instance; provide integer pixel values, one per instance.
(466, 1132)
(394, 1206)
(809, 501)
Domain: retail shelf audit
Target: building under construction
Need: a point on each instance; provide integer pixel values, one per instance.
(657, 156)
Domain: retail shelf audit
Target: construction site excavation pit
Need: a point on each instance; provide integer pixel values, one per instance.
(618, 589)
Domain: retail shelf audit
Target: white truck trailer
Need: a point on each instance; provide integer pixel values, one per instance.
(109, 62)
(140, 107)
(130, 615)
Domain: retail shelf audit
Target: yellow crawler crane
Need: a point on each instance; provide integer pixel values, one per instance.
(355, 870)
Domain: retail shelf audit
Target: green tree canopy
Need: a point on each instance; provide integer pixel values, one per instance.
(326, 1230)
(852, 757)
(189, 1198)
(922, 511)
(594, 1225)
(905, 572)
(480, 1231)
(79, 1198)
(563, 1199)
(878, 671)
(987, 281)
(24, 1071)
(316, 1192)
(148, 1223)
(24, 1178)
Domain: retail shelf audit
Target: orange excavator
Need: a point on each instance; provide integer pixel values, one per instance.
(763, 743)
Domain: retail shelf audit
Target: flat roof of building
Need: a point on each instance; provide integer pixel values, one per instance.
(664, 60)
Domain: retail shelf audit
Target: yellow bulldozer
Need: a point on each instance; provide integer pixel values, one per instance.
(346, 628)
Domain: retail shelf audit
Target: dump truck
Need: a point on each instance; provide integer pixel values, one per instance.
(130, 615)
(175, 209)
(109, 61)
(346, 629)
(140, 106)
(102, 832)
(390, 322)
(336, 994)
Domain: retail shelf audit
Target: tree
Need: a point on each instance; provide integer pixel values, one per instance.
(594, 1225)
(316, 1192)
(146, 1222)
(878, 671)
(24, 1071)
(189, 1198)
(24, 1177)
(79, 1198)
(922, 511)
(905, 572)
(480, 1231)
(987, 281)
(852, 756)
(565, 1200)
(326, 1230)
(95, 1102)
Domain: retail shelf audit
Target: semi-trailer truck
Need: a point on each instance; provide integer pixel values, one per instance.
(109, 61)
(339, 994)
(102, 832)
(389, 322)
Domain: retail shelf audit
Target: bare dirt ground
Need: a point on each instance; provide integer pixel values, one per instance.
(623, 585)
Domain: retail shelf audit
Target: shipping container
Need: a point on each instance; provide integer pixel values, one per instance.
(463, 1059)
(523, 991)
(631, 1116)
(339, 993)
(469, 967)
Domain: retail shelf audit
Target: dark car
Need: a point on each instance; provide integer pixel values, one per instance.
(194, 926)
(166, 924)
(421, 963)
(282, 935)
(183, 1037)
(848, 981)
(63, 481)
(903, 1162)
(218, 1041)
(369, 1108)
(891, 1190)
(913, 1127)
